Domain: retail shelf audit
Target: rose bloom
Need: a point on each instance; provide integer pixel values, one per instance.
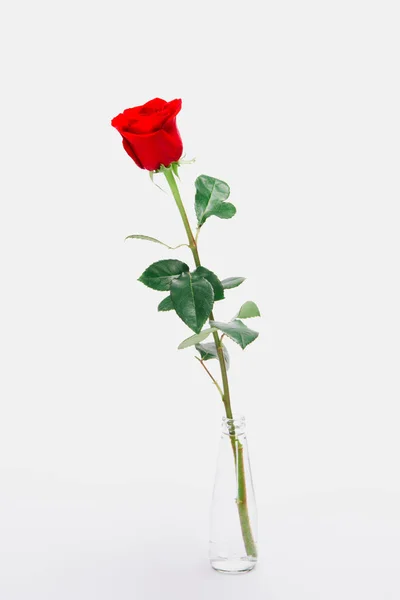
(149, 133)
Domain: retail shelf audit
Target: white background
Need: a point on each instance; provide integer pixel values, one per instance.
(108, 434)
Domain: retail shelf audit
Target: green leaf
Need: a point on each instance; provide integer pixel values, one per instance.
(211, 278)
(166, 304)
(196, 339)
(210, 199)
(209, 351)
(151, 239)
(248, 310)
(174, 167)
(152, 173)
(232, 282)
(193, 299)
(160, 275)
(237, 331)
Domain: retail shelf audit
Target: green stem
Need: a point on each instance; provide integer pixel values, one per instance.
(215, 382)
(237, 447)
(175, 192)
(251, 547)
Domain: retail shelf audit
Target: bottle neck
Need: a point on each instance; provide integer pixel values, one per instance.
(234, 427)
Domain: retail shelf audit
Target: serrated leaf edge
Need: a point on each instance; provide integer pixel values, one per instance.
(208, 331)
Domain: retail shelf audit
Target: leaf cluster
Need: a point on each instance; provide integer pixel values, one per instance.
(192, 294)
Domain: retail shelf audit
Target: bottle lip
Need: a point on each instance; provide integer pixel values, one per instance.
(236, 419)
(238, 423)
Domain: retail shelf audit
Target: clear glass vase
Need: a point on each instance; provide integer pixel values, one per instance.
(233, 522)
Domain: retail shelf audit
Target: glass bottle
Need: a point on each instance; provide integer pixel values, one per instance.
(233, 522)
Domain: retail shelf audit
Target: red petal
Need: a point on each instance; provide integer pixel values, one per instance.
(129, 150)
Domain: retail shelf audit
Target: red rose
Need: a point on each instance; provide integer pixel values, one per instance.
(149, 132)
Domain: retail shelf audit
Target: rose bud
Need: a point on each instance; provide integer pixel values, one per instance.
(149, 132)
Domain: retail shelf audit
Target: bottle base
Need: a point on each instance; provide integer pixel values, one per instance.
(234, 566)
